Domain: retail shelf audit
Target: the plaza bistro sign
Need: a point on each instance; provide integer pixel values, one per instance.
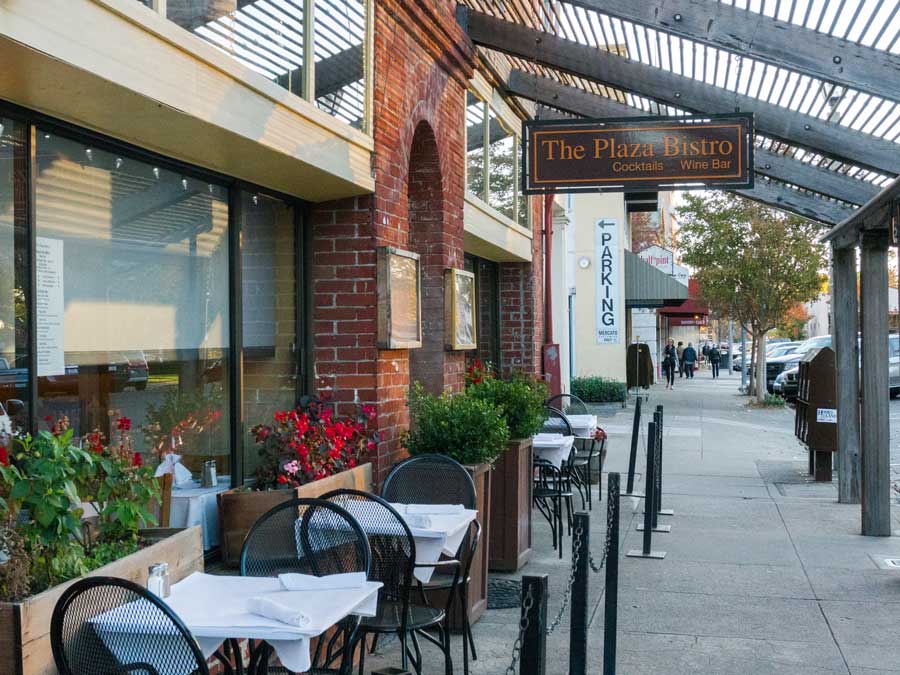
(637, 153)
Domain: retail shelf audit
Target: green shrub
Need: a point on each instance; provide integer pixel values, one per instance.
(598, 389)
(773, 401)
(520, 398)
(468, 429)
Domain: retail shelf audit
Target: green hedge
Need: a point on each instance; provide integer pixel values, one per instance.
(598, 390)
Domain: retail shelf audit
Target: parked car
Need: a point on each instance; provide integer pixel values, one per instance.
(787, 384)
(778, 364)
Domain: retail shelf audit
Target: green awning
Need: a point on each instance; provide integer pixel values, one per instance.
(646, 286)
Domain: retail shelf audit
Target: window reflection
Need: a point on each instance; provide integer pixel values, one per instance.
(132, 299)
(339, 32)
(269, 310)
(13, 275)
(502, 192)
(475, 145)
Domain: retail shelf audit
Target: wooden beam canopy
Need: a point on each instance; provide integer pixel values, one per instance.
(826, 138)
(571, 99)
(786, 45)
(802, 203)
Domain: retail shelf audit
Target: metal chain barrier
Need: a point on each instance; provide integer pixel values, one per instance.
(610, 515)
(524, 622)
(576, 556)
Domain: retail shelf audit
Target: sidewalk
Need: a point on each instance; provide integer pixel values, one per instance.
(764, 573)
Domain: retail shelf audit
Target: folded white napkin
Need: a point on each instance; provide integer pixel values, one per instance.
(307, 582)
(419, 521)
(434, 509)
(548, 438)
(271, 607)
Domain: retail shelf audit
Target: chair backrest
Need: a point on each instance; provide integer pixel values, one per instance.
(390, 540)
(307, 536)
(430, 479)
(568, 403)
(104, 625)
(557, 423)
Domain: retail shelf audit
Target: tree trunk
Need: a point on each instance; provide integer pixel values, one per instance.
(761, 383)
(751, 370)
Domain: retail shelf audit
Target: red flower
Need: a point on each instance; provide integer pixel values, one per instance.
(124, 424)
(325, 414)
(4, 456)
(282, 479)
(351, 463)
(48, 419)
(137, 460)
(370, 445)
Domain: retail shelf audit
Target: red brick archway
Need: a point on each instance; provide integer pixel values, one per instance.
(425, 197)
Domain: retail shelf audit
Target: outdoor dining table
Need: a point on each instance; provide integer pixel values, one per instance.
(447, 527)
(554, 448)
(583, 426)
(193, 504)
(215, 608)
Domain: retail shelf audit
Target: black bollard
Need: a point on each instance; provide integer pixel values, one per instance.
(660, 511)
(649, 501)
(632, 457)
(657, 476)
(533, 658)
(578, 633)
(611, 592)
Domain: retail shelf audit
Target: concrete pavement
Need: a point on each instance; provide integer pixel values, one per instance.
(764, 573)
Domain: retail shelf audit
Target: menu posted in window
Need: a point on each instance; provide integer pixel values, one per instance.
(50, 300)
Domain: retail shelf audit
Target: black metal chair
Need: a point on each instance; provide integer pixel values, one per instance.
(567, 403)
(438, 479)
(576, 470)
(557, 423)
(549, 494)
(393, 564)
(308, 536)
(82, 646)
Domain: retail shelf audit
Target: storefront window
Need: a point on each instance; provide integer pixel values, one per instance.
(268, 276)
(502, 193)
(14, 380)
(487, 320)
(339, 35)
(267, 37)
(132, 300)
(475, 145)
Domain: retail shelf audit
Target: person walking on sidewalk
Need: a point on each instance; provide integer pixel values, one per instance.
(690, 358)
(714, 357)
(680, 351)
(705, 352)
(670, 359)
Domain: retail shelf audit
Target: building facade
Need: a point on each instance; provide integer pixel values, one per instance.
(192, 200)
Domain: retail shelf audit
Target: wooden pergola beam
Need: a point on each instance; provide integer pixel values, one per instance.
(571, 99)
(826, 138)
(786, 45)
(803, 204)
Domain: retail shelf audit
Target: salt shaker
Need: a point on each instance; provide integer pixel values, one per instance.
(155, 580)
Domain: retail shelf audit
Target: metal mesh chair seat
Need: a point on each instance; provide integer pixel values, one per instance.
(556, 423)
(315, 537)
(430, 479)
(390, 616)
(108, 626)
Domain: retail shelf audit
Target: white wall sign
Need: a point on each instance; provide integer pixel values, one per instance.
(50, 305)
(609, 291)
(681, 274)
(658, 257)
(826, 415)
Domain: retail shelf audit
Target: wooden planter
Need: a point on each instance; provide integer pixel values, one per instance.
(25, 626)
(239, 510)
(510, 508)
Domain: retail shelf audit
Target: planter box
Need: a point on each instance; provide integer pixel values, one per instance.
(510, 512)
(239, 510)
(25, 626)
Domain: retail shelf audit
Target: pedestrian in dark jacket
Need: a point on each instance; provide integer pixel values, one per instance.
(669, 363)
(690, 358)
(680, 351)
(714, 357)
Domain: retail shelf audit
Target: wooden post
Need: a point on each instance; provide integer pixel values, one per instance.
(845, 308)
(875, 425)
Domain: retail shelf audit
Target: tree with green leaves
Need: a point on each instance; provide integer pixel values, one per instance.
(752, 263)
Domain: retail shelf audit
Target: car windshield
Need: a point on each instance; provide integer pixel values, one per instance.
(815, 343)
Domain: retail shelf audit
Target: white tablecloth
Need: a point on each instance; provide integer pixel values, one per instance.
(443, 537)
(214, 608)
(195, 505)
(555, 448)
(583, 426)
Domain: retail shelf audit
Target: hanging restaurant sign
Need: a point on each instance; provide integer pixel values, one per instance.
(708, 151)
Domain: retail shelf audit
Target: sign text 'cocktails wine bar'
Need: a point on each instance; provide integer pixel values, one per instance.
(638, 153)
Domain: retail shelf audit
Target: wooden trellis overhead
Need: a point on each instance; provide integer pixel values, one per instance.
(822, 79)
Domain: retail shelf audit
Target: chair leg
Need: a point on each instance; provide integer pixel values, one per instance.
(362, 653)
(374, 643)
(417, 661)
(404, 660)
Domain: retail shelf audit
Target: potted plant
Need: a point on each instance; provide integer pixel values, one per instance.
(473, 432)
(46, 484)
(521, 402)
(303, 453)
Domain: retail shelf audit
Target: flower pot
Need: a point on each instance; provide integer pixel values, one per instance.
(25, 626)
(239, 510)
(510, 508)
